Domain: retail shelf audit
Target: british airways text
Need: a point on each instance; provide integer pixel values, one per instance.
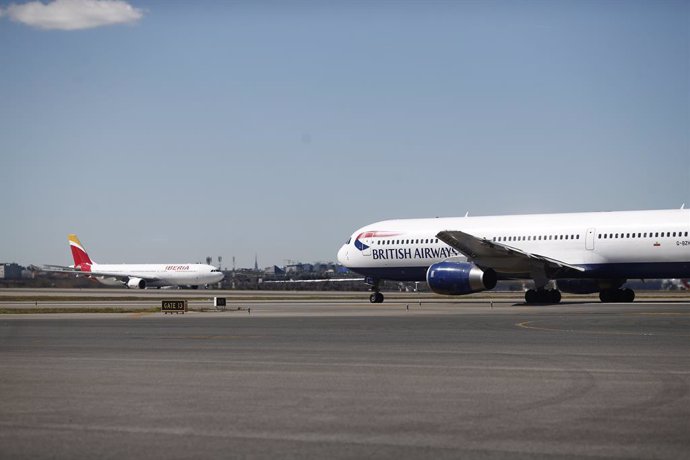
(418, 253)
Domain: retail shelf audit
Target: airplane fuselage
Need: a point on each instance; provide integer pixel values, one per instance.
(159, 275)
(621, 245)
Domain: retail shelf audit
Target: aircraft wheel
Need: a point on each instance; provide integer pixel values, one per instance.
(605, 296)
(376, 297)
(531, 296)
(555, 296)
(628, 295)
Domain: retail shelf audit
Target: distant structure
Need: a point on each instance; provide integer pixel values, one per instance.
(12, 271)
(256, 263)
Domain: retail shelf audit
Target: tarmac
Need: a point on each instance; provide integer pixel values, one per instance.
(334, 376)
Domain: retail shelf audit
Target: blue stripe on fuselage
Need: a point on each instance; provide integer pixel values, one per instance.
(646, 270)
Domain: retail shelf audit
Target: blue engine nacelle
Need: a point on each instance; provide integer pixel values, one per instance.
(458, 278)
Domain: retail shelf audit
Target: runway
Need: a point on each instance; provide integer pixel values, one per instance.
(342, 378)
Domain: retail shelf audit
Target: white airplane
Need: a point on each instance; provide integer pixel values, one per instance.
(584, 252)
(138, 276)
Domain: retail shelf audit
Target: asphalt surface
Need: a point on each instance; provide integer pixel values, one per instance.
(334, 379)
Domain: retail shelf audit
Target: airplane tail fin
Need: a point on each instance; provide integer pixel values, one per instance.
(78, 252)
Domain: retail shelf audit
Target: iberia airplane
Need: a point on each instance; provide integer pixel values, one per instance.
(583, 252)
(139, 275)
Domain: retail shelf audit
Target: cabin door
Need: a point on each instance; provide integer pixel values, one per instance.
(589, 241)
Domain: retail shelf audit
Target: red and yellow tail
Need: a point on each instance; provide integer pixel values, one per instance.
(81, 258)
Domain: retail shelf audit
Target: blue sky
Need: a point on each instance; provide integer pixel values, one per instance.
(278, 128)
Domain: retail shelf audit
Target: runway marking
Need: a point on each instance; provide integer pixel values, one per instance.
(527, 325)
(447, 442)
(213, 337)
(355, 365)
(659, 313)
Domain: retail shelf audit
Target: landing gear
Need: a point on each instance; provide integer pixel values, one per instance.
(376, 296)
(533, 296)
(617, 295)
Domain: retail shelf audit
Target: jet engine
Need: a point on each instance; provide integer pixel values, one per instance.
(458, 278)
(136, 283)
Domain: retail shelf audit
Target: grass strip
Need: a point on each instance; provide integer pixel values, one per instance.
(42, 310)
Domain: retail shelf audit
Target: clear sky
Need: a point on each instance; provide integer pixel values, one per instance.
(170, 131)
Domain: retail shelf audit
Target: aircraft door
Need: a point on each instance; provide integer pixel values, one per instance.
(589, 240)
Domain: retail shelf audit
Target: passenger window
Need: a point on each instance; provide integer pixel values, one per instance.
(674, 233)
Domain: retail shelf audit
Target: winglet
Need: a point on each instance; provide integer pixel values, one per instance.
(78, 252)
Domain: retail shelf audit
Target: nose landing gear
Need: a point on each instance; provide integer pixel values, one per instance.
(376, 296)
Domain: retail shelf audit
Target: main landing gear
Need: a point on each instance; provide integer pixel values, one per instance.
(542, 296)
(617, 295)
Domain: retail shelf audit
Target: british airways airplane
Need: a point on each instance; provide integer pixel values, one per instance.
(137, 276)
(584, 252)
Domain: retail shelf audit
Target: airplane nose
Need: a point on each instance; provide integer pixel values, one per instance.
(343, 255)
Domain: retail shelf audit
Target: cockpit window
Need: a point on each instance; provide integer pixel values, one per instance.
(348, 240)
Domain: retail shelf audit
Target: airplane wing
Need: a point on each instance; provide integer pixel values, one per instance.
(491, 253)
